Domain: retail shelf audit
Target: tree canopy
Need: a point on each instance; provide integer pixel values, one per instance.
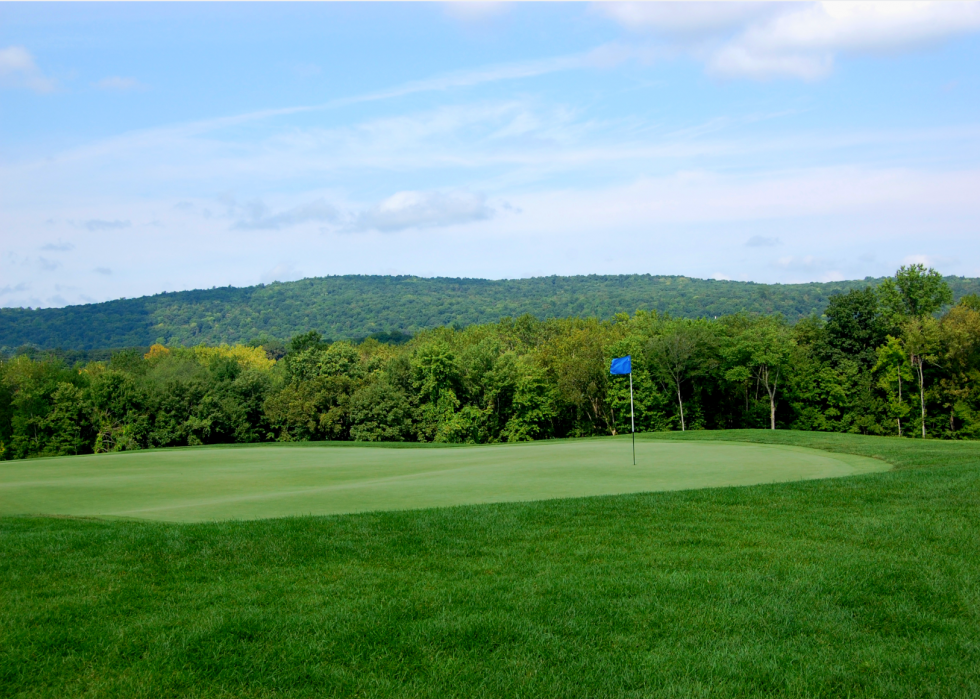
(393, 308)
(862, 369)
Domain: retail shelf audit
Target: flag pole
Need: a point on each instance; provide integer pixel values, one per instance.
(632, 421)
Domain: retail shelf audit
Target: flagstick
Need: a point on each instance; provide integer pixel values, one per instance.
(632, 422)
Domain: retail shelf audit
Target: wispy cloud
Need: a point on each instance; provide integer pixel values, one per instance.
(58, 247)
(47, 265)
(255, 215)
(18, 69)
(98, 224)
(14, 289)
(761, 241)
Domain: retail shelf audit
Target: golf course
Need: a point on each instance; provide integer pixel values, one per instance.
(250, 482)
(780, 564)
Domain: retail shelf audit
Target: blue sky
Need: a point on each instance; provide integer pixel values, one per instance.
(160, 147)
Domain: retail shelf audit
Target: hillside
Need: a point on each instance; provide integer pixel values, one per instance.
(356, 306)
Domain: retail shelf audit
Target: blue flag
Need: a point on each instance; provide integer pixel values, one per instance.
(621, 365)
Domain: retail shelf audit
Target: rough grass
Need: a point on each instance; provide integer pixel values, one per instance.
(860, 586)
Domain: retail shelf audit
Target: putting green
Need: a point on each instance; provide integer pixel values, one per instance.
(211, 483)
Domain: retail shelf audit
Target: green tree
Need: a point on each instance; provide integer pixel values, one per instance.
(920, 336)
(759, 350)
(683, 351)
(69, 421)
(855, 325)
(914, 292)
(436, 379)
(960, 353)
(894, 370)
(380, 412)
(533, 405)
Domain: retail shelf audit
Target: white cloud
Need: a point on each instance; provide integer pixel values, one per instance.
(18, 69)
(255, 215)
(803, 43)
(688, 20)
(424, 210)
(796, 40)
(120, 84)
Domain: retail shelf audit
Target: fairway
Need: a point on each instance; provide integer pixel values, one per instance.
(214, 483)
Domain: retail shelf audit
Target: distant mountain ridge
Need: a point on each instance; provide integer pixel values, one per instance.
(354, 306)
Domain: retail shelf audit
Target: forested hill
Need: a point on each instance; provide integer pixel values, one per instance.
(346, 307)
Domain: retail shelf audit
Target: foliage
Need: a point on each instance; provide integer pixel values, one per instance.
(866, 368)
(390, 308)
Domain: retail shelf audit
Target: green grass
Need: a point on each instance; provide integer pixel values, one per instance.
(859, 586)
(277, 481)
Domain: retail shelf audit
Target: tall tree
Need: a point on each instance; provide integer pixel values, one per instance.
(911, 298)
(760, 350)
(855, 327)
(914, 292)
(893, 366)
(680, 353)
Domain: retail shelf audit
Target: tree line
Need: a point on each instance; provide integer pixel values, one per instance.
(896, 358)
(355, 307)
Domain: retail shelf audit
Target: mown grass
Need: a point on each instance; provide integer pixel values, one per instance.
(862, 586)
(268, 481)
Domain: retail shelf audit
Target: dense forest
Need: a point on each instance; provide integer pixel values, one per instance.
(355, 307)
(896, 358)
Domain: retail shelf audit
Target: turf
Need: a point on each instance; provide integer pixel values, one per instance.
(860, 586)
(277, 481)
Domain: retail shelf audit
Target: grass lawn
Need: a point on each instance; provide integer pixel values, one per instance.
(209, 483)
(861, 586)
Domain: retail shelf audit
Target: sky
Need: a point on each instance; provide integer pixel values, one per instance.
(169, 146)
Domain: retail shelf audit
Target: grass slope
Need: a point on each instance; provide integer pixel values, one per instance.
(354, 306)
(247, 482)
(860, 586)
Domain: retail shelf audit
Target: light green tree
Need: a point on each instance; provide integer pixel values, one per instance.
(893, 368)
(910, 299)
(914, 292)
(920, 336)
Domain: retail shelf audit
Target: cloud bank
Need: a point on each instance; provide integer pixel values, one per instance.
(795, 40)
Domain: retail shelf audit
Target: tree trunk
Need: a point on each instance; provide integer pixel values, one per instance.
(680, 404)
(922, 392)
(771, 390)
(899, 400)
